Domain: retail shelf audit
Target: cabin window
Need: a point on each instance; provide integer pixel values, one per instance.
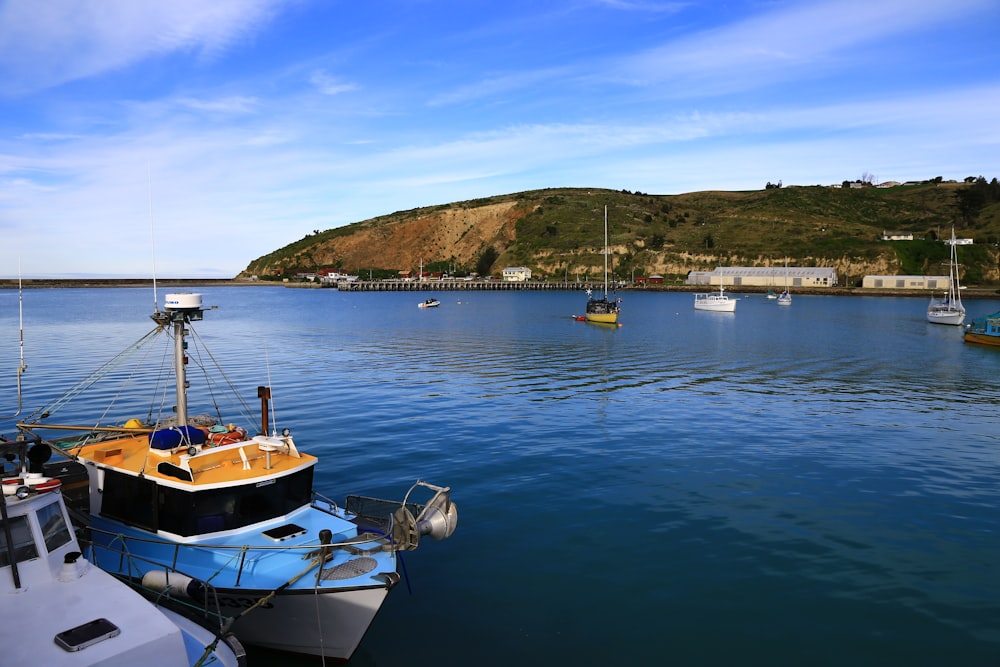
(22, 541)
(183, 512)
(128, 499)
(55, 532)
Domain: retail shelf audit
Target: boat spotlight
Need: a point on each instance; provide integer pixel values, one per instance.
(439, 518)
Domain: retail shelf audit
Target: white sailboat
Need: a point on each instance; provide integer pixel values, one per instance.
(785, 298)
(948, 309)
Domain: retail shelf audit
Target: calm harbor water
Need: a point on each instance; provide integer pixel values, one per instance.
(780, 486)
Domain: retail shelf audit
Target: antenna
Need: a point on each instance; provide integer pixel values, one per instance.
(152, 237)
(20, 326)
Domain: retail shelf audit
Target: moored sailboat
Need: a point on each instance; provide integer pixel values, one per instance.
(238, 511)
(603, 311)
(785, 298)
(949, 309)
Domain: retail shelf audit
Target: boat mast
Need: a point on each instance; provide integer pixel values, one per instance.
(955, 294)
(605, 252)
(179, 310)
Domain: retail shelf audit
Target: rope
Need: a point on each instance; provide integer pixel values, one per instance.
(97, 375)
(318, 560)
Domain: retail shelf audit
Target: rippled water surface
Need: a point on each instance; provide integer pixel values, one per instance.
(811, 485)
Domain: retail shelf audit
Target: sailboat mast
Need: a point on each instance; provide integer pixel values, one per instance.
(605, 252)
(953, 289)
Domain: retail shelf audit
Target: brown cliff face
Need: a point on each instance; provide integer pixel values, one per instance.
(458, 235)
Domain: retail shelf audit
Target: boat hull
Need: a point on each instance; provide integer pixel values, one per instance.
(713, 303)
(320, 624)
(950, 317)
(602, 318)
(717, 307)
(982, 338)
(290, 605)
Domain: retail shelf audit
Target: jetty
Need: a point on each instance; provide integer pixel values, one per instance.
(463, 285)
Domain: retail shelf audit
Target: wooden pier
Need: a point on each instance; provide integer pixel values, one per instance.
(463, 285)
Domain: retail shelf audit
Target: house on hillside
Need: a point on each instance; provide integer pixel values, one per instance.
(334, 276)
(897, 236)
(516, 274)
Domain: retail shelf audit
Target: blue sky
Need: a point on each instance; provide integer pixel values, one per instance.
(207, 134)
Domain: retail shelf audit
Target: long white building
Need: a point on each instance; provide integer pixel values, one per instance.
(907, 282)
(762, 276)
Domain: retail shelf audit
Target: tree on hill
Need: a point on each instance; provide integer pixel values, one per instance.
(485, 262)
(973, 199)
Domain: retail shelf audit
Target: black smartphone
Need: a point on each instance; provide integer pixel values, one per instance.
(88, 634)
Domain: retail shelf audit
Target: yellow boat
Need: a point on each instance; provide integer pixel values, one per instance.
(603, 311)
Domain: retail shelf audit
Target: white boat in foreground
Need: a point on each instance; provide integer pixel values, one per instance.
(716, 302)
(58, 609)
(948, 309)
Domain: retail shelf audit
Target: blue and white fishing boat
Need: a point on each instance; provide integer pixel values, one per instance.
(235, 510)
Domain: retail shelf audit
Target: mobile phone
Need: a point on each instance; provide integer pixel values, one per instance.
(87, 634)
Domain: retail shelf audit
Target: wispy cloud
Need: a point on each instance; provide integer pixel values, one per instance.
(329, 85)
(237, 104)
(495, 86)
(787, 44)
(50, 43)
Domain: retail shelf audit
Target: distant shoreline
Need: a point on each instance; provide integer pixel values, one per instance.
(72, 283)
(34, 283)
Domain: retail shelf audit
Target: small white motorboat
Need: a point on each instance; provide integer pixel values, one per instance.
(719, 303)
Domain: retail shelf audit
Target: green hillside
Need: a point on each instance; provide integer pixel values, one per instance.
(559, 232)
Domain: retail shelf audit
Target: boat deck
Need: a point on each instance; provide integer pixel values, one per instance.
(240, 461)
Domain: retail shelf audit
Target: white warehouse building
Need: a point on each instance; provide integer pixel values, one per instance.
(763, 276)
(906, 282)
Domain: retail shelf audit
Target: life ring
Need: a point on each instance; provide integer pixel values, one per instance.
(234, 434)
(39, 484)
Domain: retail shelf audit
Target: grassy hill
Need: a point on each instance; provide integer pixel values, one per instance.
(558, 233)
